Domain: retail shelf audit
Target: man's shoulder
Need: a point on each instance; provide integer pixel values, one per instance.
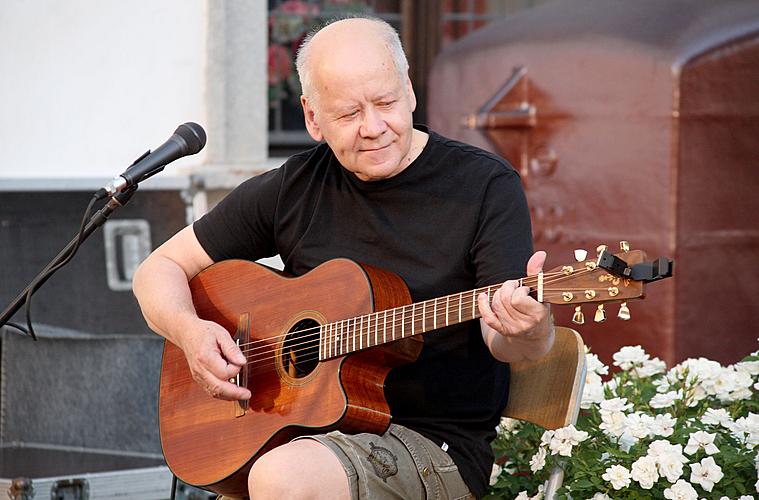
(467, 156)
(320, 154)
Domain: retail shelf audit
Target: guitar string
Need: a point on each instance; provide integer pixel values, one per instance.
(309, 353)
(311, 349)
(557, 276)
(317, 331)
(355, 333)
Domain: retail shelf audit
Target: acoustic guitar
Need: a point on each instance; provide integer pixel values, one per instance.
(319, 347)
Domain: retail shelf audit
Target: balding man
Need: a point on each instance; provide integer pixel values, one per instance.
(445, 216)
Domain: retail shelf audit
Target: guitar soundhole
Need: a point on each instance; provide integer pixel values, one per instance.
(300, 352)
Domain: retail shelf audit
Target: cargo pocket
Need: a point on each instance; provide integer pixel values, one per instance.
(439, 474)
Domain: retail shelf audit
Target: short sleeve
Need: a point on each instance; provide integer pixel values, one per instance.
(242, 225)
(503, 242)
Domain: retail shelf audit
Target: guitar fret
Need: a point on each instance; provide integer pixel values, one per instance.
(403, 322)
(394, 324)
(461, 296)
(413, 312)
(474, 302)
(434, 315)
(368, 330)
(424, 313)
(376, 326)
(447, 303)
(329, 340)
(360, 334)
(343, 340)
(384, 328)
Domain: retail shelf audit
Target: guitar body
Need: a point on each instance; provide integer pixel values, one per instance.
(213, 443)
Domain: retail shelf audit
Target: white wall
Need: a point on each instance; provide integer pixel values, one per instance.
(86, 86)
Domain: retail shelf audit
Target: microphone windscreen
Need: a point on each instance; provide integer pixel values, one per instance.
(194, 136)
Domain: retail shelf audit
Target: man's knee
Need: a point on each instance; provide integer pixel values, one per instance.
(300, 469)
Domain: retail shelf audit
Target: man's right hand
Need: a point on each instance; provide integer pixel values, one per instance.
(214, 358)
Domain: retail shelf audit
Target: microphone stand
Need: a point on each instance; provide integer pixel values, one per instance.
(97, 220)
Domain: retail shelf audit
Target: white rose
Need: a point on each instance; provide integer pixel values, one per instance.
(594, 365)
(644, 471)
(717, 417)
(630, 356)
(663, 425)
(670, 466)
(564, 439)
(615, 405)
(662, 447)
(681, 490)
(593, 392)
(651, 367)
(613, 423)
(701, 439)
(618, 476)
(538, 460)
(706, 473)
(638, 425)
(750, 367)
(663, 400)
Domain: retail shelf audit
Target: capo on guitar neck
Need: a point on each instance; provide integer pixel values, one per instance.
(644, 271)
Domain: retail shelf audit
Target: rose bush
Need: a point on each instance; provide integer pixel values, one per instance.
(647, 432)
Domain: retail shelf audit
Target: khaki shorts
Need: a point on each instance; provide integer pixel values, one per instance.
(399, 464)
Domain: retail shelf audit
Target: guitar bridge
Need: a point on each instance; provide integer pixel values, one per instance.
(242, 337)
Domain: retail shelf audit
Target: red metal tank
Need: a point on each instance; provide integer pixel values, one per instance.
(634, 121)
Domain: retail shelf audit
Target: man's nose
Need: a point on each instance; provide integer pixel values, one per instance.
(372, 123)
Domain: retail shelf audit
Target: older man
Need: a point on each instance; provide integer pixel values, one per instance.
(445, 216)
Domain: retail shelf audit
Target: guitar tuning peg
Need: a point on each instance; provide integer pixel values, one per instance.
(600, 248)
(578, 317)
(580, 254)
(624, 312)
(600, 314)
(624, 246)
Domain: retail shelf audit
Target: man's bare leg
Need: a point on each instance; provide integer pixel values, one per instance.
(303, 469)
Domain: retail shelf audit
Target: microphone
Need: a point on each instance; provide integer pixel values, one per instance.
(188, 139)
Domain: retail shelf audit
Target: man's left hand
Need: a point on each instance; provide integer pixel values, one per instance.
(514, 325)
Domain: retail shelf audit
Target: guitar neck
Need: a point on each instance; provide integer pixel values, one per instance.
(354, 334)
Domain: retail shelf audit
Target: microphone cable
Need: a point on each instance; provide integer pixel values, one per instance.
(49, 272)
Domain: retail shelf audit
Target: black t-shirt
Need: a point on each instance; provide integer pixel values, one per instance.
(455, 219)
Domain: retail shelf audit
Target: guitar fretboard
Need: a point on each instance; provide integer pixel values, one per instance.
(354, 334)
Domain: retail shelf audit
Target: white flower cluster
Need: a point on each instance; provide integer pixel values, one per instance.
(593, 392)
(634, 359)
(708, 378)
(655, 425)
(666, 460)
(523, 495)
(629, 428)
(704, 378)
(559, 442)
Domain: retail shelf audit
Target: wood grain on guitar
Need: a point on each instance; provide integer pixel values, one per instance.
(319, 348)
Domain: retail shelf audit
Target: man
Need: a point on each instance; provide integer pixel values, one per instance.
(445, 216)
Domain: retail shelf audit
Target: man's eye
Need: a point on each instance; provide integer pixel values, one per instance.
(350, 115)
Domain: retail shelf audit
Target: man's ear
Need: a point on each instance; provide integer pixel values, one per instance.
(308, 112)
(411, 95)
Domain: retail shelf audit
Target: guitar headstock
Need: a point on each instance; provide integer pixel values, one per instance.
(608, 278)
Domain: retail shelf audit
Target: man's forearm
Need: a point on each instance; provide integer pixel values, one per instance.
(162, 291)
(526, 347)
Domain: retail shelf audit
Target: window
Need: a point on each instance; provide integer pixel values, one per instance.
(424, 26)
(289, 22)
